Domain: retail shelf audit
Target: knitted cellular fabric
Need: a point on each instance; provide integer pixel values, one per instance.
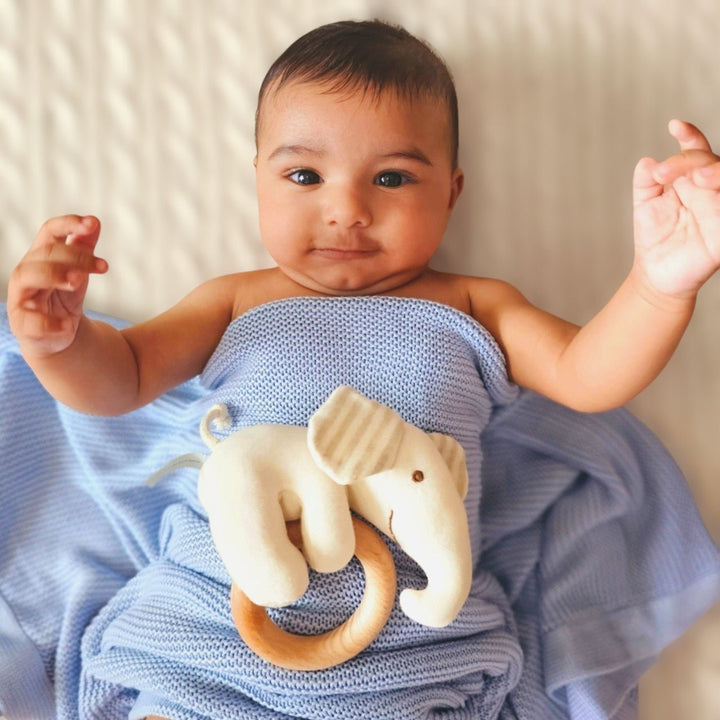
(589, 554)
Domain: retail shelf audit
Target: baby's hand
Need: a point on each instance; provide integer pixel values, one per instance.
(677, 215)
(47, 288)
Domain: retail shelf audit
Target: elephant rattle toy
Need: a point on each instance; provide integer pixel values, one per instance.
(355, 455)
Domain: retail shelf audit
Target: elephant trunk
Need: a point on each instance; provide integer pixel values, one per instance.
(448, 566)
(437, 605)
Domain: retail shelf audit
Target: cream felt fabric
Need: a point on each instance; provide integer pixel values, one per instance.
(357, 455)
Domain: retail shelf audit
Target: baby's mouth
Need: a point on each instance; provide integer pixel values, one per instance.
(337, 253)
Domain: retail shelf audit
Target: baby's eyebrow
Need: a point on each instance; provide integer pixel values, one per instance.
(295, 150)
(409, 154)
(412, 153)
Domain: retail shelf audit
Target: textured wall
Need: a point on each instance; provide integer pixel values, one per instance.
(141, 112)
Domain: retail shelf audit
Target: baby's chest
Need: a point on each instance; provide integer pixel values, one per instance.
(428, 376)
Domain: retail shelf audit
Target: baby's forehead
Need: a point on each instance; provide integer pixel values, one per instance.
(290, 103)
(341, 90)
(386, 99)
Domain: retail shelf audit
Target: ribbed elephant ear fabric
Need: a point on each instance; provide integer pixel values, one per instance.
(351, 437)
(589, 554)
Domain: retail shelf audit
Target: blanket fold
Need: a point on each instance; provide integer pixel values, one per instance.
(589, 554)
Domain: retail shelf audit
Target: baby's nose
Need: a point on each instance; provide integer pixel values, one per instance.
(347, 207)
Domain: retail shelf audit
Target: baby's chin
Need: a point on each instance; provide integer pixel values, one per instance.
(342, 285)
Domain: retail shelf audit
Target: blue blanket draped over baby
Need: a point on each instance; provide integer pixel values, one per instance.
(589, 553)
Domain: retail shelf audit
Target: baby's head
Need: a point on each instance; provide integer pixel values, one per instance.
(371, 57)
(357, 137)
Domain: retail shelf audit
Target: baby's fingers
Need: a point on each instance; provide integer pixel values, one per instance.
(708, 176)
(42, 333)
(695, 152)
(689, 137)
(36, 325)
(60, 229)
(686, 163)
(645, 187)
(56, 267)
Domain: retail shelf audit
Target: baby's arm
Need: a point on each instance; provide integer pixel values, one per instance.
(626, 345)
(592, 368)
(87, 364)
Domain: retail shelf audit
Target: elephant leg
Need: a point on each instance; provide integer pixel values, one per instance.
(327, 530)
(259, 556)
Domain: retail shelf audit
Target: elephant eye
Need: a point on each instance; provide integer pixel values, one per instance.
(418, 476)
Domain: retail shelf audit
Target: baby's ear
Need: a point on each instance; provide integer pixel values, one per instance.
(458, 183)
(255, 162)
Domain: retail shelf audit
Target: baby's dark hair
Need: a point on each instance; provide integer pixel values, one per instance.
(370, 55)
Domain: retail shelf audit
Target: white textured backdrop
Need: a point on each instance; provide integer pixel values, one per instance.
(141, 112)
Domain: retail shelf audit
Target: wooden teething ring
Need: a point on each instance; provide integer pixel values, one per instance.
(317, 652)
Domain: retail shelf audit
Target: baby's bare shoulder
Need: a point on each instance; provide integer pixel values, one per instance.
(491, 291)
(479, 297)
(258, 287)
(484, 295)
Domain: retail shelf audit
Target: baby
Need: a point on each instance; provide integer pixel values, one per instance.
(357, 176)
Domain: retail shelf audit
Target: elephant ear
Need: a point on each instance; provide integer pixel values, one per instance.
(454, 456)
(351, 436)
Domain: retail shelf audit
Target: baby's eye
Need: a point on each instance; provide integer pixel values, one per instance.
(392, 179)
(304, 177)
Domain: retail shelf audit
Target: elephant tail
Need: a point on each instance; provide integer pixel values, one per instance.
(217, 415)
(194, 460)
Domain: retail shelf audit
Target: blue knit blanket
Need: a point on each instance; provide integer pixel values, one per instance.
(589, 553)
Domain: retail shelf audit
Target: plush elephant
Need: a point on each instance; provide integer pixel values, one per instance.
(355, 454)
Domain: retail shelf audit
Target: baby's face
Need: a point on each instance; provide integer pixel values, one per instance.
(354, 191)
